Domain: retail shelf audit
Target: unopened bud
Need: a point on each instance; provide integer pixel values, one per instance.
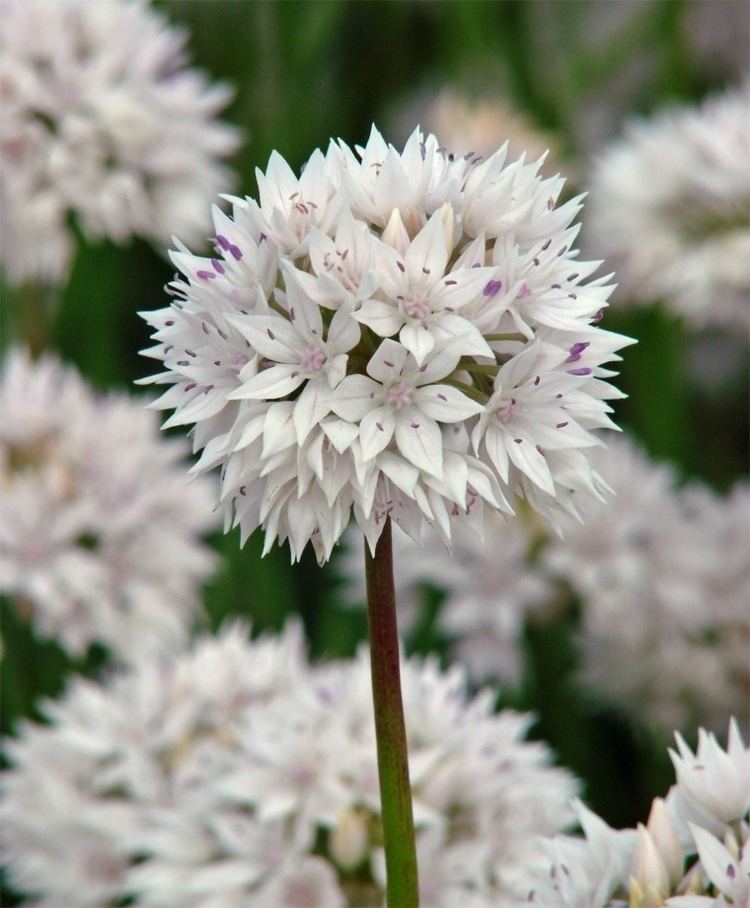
(663, 833)
(649, 878)
(395, 233)
(349, 842)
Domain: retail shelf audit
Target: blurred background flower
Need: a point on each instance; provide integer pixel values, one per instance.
(100, 529)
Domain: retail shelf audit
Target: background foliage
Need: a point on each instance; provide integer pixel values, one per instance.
(305, 71)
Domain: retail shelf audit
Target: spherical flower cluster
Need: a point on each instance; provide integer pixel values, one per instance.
(487, 584)
(238, 775)
(694, 851)
(102, 121)
(664, 575)
(670, 204)
(405, 334)
(99, 528)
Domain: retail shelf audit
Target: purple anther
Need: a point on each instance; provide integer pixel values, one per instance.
(206, 275)
(169, 322)
(401, 266)
(518, 440)
(222, 241)
(191, 353)
(243, 490)
(450, 283)
(205, 327)
(191, 386)
(731, 872)
(561, 425)
(236, 251)
(292, 314)
(443, 397)
(492, 288)
(380, 426)
(585, 371)
(415, 425)
(576, 350)
(598, 317)
(546, 246)
(262, 238)
(208, 388)
(537, 380)
(218, 267)
(270, 334)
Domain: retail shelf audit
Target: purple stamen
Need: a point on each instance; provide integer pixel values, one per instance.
(598, 317)
(576, 350)
(579, 371)
(206, 275)
(236, 251)
(218, 267)
(492, 288)
(561, 425)
(401, 266)
(222, 241)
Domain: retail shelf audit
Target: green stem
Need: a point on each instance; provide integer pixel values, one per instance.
(402, 890)
(469, 390)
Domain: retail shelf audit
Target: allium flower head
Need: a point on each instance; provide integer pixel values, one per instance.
(237, 775)
(670, 204)
(405, 334)
(102, 121)
(99, 529)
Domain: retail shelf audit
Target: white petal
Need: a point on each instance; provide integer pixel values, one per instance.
(375, 431)
(270, 384)
(402, 474)
(387, 363)
(418, 340)
(525, 456)
(303, 312)
(428, 253)
(343, 332)
(310, 407)
(356, 396)
(278, 428)
(463, 336)
(494, 442)
(383, 318)
(271, 336)
(420, 441)
(715, 860)
(446, 404)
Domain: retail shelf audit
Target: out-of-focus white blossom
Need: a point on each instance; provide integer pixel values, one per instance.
(406, 334)
(664, 577)
(479, 125)
(238, 775)
(487, 586)
(693, 853)
(99, 527)
(104, 122)
(670, 205)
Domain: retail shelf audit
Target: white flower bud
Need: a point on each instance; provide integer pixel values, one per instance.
(663, 833)
(349, 842)
(649, 878)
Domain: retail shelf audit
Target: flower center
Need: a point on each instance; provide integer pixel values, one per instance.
(399, 395)
(507, 411)
(416, 308)
(313, 359)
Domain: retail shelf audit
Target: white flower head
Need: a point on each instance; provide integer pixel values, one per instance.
(102, 121)
(670, 205)
(100, 532)
(369, 337)
(237, 774)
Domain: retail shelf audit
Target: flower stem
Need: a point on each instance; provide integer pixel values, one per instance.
(402, 889)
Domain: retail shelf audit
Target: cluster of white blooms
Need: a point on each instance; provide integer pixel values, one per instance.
(236, 774)
(670, 203)
(102, 121)
(664, 577)
(487, 585)
(99, 527)
(408, 334)
(694, 851)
